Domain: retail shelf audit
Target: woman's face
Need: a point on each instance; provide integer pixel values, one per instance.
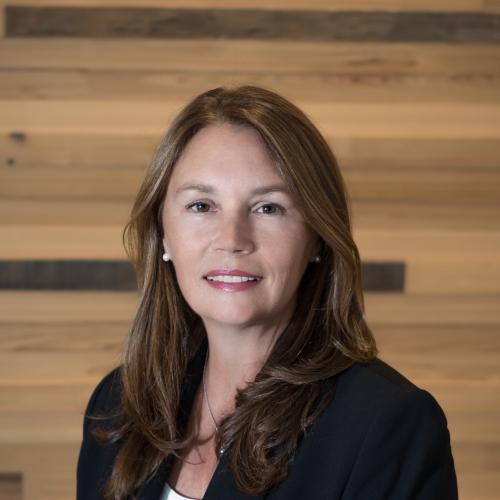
(216, 221)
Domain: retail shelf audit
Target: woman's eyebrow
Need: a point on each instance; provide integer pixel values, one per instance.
(205, 188)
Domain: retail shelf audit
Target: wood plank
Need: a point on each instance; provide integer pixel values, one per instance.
(29, 429)
(470, 186)
(375, 59)
(327, 5)
(419, 216)
(48, 469)
(11, 486)
(491, 6)
(119, 275)
(317, 25)
(453, 274)
(78, 368)
(75, 335)
(66, 149)
(443, 121)
(84, 274)
(64, 307)
(76, 242)
(38, 399)
(182, 86)
(396, 244)
(477, 468)
(418, 310)
(2, 32)
(437, 354)
(429, 185)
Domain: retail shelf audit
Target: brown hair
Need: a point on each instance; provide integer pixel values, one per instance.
(327, 332)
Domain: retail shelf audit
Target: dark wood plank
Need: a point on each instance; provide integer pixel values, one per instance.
(119, 275)
(109, 22)
(10, 486)
(66, 275)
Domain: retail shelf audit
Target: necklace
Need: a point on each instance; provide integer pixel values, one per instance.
(205, 397)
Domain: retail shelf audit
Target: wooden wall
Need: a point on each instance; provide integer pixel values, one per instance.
(407, 93)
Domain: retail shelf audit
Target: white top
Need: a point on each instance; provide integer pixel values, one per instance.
(170, 494)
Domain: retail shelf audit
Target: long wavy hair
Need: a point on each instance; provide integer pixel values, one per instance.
(326, 334)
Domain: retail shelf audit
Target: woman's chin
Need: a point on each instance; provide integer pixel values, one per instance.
(234, 318)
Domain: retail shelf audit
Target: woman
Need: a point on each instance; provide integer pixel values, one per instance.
(249, 369)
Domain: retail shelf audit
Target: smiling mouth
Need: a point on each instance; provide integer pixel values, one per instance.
(232, 279)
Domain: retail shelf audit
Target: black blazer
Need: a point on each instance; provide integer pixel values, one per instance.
(381, 438)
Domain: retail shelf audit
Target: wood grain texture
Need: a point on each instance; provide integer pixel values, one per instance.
(141, 22)
(11, 486)
(381, 121)
(66, 275)
(261, 57)
(67, 150)
(119, 275)
(324, 5)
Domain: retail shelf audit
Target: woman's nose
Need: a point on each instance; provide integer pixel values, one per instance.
(234, 234)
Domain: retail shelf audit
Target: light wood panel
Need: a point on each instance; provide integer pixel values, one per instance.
(442, 121)
(322, 86)
(82, 150)
(278, 57)
(48, 469)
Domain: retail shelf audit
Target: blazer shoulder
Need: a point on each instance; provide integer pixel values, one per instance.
(366, 389)
(377, 380)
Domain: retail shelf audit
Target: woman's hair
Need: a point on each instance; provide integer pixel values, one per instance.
(326, 334)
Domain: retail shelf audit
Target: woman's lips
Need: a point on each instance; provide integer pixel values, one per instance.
(233, 287)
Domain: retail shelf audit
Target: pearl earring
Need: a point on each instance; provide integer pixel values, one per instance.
(316, 259)
(166, 257)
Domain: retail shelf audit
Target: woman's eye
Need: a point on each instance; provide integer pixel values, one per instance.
(198, 204)
(275, 209)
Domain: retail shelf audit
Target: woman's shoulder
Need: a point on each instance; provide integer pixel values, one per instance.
(378, 382)
(375, 394)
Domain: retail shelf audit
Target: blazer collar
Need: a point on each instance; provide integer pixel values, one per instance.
(222, 484)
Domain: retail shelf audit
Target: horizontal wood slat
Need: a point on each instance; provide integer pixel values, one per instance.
(221, 23)
(442, 121)
(48, 470)
(327, 5)
(276, 57)
(11, 486)
(183, 85)
(82, 150)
